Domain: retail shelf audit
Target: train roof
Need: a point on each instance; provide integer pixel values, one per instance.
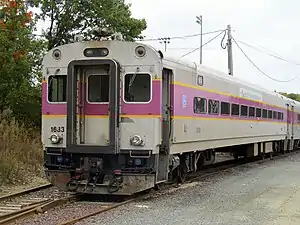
(171, 57)
(223, 76)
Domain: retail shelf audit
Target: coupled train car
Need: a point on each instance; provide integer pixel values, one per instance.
(121, 117)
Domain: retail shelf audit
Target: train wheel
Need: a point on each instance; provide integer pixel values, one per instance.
(213, 157)
(263, 156)
(183, 170)
(235, 155)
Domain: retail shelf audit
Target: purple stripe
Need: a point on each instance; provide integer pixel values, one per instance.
(153, 108)
(190, 93)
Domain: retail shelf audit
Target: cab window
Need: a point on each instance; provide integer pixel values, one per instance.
(57, 88)
(137, 87)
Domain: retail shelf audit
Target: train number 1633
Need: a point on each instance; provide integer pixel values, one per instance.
(57, 129)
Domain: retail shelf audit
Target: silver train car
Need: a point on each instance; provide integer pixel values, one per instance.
(121, 117)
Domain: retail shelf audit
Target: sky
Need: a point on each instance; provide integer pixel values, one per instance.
(265, 24)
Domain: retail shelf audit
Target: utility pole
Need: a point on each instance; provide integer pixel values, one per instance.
(200, 22)
(229, 49)
(165, 40)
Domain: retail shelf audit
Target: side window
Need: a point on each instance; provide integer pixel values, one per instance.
(244, 110)
(258, 112)
(225, 108)
(265, 113)
(213, 106)
(279, 115)
(199, 80)
(235, 110)
(270, 114)
(275, 115)
(137, 87)
(98, 88)
(200, 105)
(57, 88)
(298, 118)
(251, 111)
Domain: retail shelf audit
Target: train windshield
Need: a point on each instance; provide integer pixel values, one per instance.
(137, 88)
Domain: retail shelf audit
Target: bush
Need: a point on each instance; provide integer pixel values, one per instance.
(21, 154)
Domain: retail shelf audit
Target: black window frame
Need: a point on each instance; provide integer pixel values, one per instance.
(125, 89)
(237, 106)
(227, 104)
(88, 89)
(194, 105)
(251, 111)
(50, 82)
(270, 114)
(275, 113)
(258, 111)
(244, 113)
(209, 109)
(265, 113)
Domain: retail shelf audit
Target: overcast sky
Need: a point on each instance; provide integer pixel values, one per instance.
(272, 24)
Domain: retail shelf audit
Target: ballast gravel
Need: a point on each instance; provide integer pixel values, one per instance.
(260, 193)
(62, 213)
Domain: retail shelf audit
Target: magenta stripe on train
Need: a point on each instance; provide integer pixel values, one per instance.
(154, 107)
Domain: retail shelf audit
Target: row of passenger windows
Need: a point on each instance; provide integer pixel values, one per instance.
(200, 107)
(137, 88)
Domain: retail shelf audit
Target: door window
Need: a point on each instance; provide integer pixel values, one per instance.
(98, 88)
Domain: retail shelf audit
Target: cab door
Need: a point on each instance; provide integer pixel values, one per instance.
(93, 121)
(93, 104)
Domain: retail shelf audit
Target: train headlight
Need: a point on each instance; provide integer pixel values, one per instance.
(54, 138)
(140, 51)
(56, 54)
(95, 52)
(136, 140)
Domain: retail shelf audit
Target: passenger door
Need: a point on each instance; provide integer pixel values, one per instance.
(93, 106)
(167, 112)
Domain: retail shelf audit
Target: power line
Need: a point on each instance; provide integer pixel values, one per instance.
(180, 37)
(259, 68)
(203, 44)
(270, 54)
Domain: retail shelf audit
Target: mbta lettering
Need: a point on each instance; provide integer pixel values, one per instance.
(57, 129)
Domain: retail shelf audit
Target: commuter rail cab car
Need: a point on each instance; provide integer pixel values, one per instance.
(121, 117)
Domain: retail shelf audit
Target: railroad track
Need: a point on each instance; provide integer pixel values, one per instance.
(22, 204)
(98, 207)
(17, 194)
(30, 206)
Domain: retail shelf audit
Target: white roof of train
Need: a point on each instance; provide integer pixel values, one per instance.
(223, 76)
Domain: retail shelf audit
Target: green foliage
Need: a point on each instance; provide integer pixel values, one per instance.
(20, 57)
(71, 17)
(293, 96)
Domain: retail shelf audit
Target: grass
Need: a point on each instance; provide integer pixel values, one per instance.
(21, 154)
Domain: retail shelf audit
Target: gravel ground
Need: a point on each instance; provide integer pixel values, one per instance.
(259, 193)
(10, 189)
(63, 213)
(50, 192)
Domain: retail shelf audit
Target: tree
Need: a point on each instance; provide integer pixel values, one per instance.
(19, 57)
(70, 17)
(293, 96)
